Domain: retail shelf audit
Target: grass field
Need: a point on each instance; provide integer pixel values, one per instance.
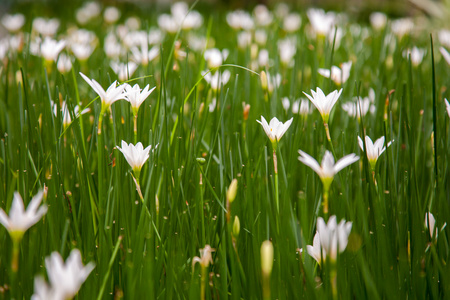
(221, 206)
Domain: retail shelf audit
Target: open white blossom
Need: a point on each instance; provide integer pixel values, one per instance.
(430, 223)
(65, 278)
(324, 104)
(108, 97)
(217, 79)
(316, 251)
(136, 96)
(328, 168)
(50, 48)
(447, 106)
(205, 257)
(275, 129)
(136, 156)
(13, 23)
(378, 20)
(19, 219)
(374, 150)
(322, 22)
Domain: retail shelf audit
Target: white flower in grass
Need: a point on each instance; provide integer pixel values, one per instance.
(324, 103)
(108, 97)
(401, 27)
(135, 155)
(444, 37)
(64, 64)
(316, 251)
(338, 75)
(43, 291)
(328, 168)
(417, 55)
(430, 223)
(301, 106)
(205, 257)
(333, 237)
(378, 20)
(123, 70)
(447, 106)
(374, 150)
(322, 22)
(65, 278)
(360, 106)
(13, 23)
(214, 57)
(275, 129)
(19, 219)
(292, 22)
(136, 96)
(50, 49)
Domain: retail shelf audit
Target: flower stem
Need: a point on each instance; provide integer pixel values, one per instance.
(201, 209)
(275, 168)
(135, 128)
(325, 202)
(15, 256)
(203, 283)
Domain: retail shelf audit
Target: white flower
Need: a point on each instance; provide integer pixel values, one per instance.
(321, 21)
(374, 150)
(301, 106)
(136, 156)
(64, 64)
(136, 96)
(292, 22)
(328, 168)
(444, 37)
(263, 17)
(333, 237)
(324, 103)
(66, 278)
(287, 49)
(46, 27)
(430, 223)
(378, 20)
(338, 75)
(111, 14)
(416, 55)
(447, 106)
(275, 129)
(403, 26)
(43, 291)
(316, 250)
(82, 51)
(112, 94)
(354, 109)
(65, 112)
(20, 220)
(13, 23)
(205, 257)
(50, 48)
(240, 19)
(214, 57)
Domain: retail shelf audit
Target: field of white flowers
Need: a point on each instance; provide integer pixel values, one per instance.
(189, 152)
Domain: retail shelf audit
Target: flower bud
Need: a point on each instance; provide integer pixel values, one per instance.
(201, 160)
(266, 258)
(236, 226)
(264, 83)
(232, 191)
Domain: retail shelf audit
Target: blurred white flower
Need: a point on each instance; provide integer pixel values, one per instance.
(46, 27)
(417, 55)
(135, 155)
(261, 37)
(338, 75)
(217, 80)
(113, 49)
(51, 48)
(155, 36)
(336, 37)
(292, 22)
(356, 108)
(324, 104)
(205, 257)
(302, 107)
(447, 106)
(328, 168)
(374, 150)
(13, 23)
(65, 112)
(286, 103)
(322, 22)
(401, 27)
(333, 238)
(123, 70)
(316, 251)
(444, 37)
(273, 81)
(65, 278)
(275, 129)
(378, 20)
(430, 223)
(136, 96)
(111, 14)
(64, 64)
(19, 219)
(87, 12)
(240, 19)
(214, 57)
(287, 49)
(244, 39)
(263, 58)
(263, 17)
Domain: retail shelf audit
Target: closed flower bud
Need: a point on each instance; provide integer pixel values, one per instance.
(236, 226)
(264, 83)
(232, 190)
(266, 258)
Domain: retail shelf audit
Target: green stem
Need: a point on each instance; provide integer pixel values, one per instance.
(100, 161)
(203, 283)
(135, 129)
(15, 256)
(275, 167)
(325, 202)
(201, 210)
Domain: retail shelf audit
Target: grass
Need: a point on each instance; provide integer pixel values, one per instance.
(145, 249)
